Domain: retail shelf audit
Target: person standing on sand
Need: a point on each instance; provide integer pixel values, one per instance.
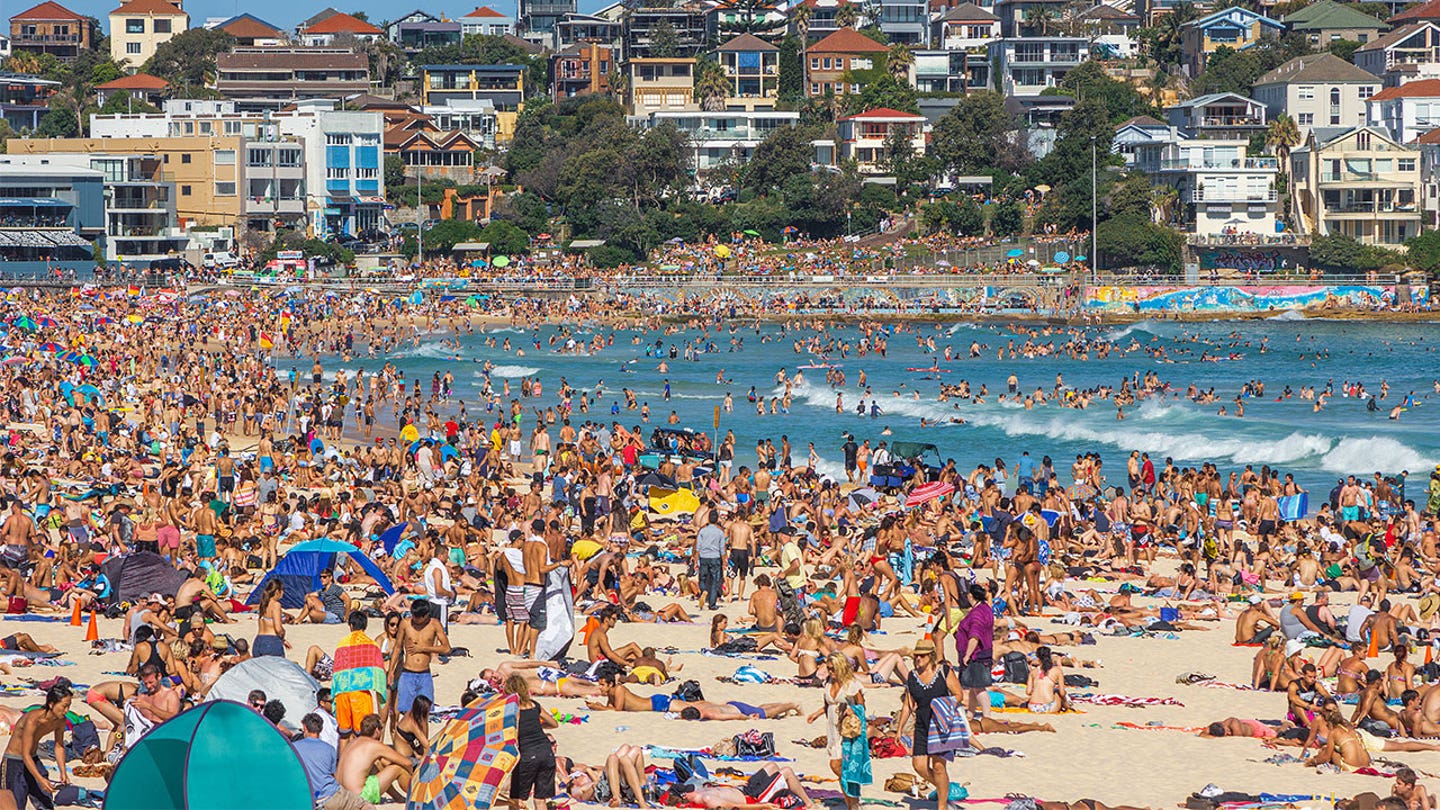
(420, 639)
(22, 775)
(927, 682)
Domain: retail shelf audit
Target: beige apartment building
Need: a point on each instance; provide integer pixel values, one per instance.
(138, 27)
(207, 170)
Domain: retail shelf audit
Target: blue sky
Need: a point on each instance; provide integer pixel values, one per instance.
(286, 14)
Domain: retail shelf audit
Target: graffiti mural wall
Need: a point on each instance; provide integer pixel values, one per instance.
(1243, 299)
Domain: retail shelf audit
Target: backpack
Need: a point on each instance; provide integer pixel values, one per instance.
(1017, 668)
(689, 691)
(789, 604)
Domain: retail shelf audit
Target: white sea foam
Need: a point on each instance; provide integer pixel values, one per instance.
(1356, 455)
(514, 371)
(1288, 315)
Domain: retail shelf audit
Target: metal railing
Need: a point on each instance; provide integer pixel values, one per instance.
(1242, 239)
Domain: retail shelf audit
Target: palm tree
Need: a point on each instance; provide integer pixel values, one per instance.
(753, 17)
(1040, 17)
(27, 63)
(847, 16)
(800, 18)
(1282, 136)
(711, 86)
(898, 61)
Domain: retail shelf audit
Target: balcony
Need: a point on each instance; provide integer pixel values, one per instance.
(1328, 178)
(1230, 121)
(273, 206)
(45, 39)
(1225, 195)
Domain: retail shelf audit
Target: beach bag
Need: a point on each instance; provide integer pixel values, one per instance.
(760, 745)
(739, 644)
(903, 782)
(749, 674)
(789, 605)
(1017, 668)
(689, 691)
(949, 726)
(849, 724)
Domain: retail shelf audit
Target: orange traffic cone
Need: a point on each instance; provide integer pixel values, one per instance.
(1374, 647)
(92, 633)
(1429, 653)
(75, 613)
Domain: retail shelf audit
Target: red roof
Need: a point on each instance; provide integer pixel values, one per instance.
(1421, 88)
(48, 10)
(1431, 137)
(485, 11)
(342, 24)
(883, 112)
(140, 81)
(161, 7)
(847, 40)
(1428, 11)
(244, 27)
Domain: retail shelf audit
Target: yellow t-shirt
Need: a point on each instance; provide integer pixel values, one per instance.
(789, 553)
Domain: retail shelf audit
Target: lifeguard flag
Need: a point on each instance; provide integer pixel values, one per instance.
(266, 342)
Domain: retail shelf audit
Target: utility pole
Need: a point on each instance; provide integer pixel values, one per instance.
(1094, 212)
(419, 213)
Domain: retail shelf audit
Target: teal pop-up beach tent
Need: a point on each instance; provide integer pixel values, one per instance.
(220, 756)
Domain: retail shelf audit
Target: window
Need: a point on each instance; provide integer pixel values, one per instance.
(224, 189)
(814, 88)
(206, 128)
(232, 127)
(162, 26)
(814, 63)
(333, 173)
(1362, 141)
(337, 140)
(132, 47)
(1305, 119)
(135, 26)
(1406, 164)
(1366, 91)
(184, 191)
(185, 158)
(828, 63)
(1307, 93)
(259, 157)
(225, 157)
(858, 63)
(854, 88)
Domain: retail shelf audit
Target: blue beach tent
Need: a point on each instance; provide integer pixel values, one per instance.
(300, 570)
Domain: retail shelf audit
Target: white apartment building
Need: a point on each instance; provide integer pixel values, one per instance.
(1319, 90)
(341, 173)
(1029, 65)
(1357, 182)
(728, 136)
(1221, 189)
(1408, 111)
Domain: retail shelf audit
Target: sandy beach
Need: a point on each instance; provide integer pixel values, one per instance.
(1089, 757)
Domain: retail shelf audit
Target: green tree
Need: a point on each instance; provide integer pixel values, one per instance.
(848, 14)
(786, 152)
(1344, 48)
(126, 103)
(1423, 251)
(447, 233)
(1090, 81)
(969, 219)
(664, 42)
(188, 58)
(394, 171)
(526, 210)
(1229, 71)
(977, 136)
(1084, 138)
(505, 238)
(711, 85)
(791, 87)
(1131, 196)
(898, 61)
(883, 91)
(58, 122)
(1007, 219)
(1132, 240)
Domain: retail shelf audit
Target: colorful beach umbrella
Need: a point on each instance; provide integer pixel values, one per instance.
(749, 232)
(469, 758)
(925, 493)
(501, 261)
(25, 322)
(51, 346)
(47, 322)
(85, 360)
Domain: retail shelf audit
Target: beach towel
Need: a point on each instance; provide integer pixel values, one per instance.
(359, 666)
(1239, 687)
(1123, 700)
(855, 771)
(949, 726)
(1149, 727)
(559, 632)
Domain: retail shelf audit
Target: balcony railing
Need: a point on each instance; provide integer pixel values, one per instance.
(1203, 195)
(46, 39)
(1257, 163)
(1359, 177)
(1378, 207)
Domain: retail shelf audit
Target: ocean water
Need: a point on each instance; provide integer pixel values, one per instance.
(1287, 435)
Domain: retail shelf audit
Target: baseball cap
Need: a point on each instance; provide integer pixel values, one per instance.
(156, 597)
(1256, 599)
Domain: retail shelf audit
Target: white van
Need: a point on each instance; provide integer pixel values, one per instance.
(220, 261)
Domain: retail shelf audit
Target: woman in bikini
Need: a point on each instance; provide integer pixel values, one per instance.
(1045, 692)
(412, 732)
(810, 649)
(1399, 674)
